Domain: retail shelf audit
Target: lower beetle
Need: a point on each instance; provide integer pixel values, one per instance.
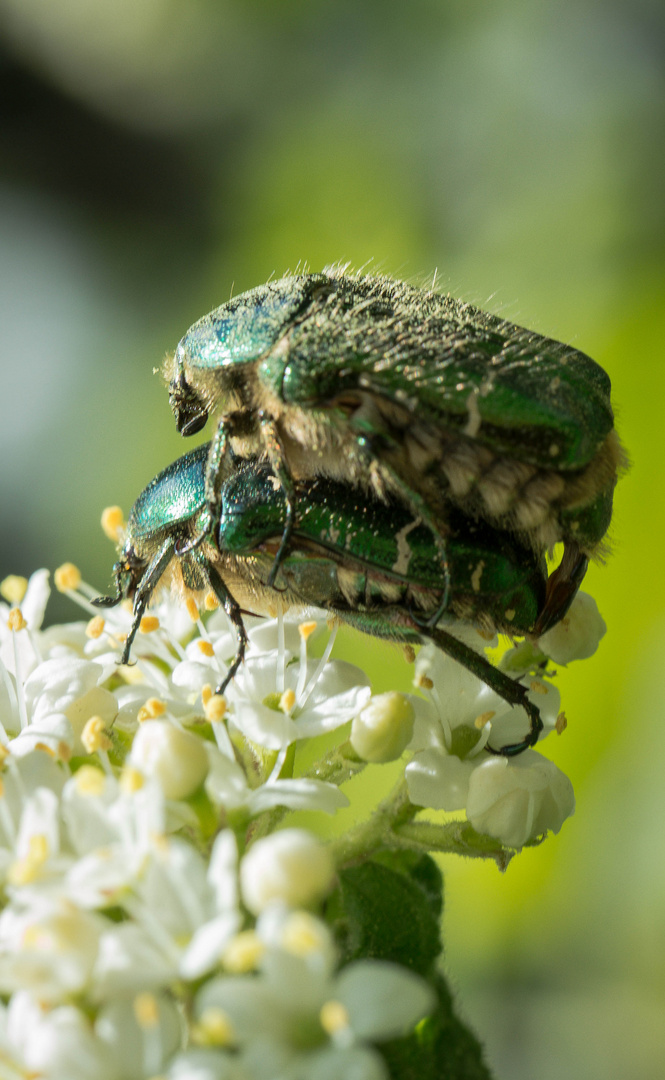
(370, 562)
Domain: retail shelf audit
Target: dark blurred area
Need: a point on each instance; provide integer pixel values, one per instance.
(157, 154)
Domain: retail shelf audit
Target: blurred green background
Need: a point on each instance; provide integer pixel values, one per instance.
(156, 154)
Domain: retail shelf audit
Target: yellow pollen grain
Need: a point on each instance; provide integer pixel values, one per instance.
(148, 624)
(215, 708)
(206, 694)
(94, 735)
(131, 780)
(287, 701)
(67, 577)
(424, 682)
(192, 608)
(213, 1029)
(484, 718)
(146, 1011)
(561, 723)
(95, 627)
(13, 588)
(409, 654)
(211, 603)
(243, 952)
(89, 781)
(538, 687)
(334, 1017)
(113, 522)
(306, 629)
(16, 621)
(206, 647)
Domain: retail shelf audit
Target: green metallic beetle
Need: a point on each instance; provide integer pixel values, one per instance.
(396, 389)
(367, 561)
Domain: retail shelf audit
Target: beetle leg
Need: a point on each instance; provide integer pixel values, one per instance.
(562, 586)
(233, 612)
(111, 601)
(146, 587)
(421, 509)
(277, 458)
(208, 519)
(511, 691)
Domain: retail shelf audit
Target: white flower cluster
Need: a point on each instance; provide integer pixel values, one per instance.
(153, 923)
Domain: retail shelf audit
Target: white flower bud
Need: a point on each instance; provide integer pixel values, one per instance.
(175, 758)
(577, 635)
(518, 799)
(291, 866)
(383, 729)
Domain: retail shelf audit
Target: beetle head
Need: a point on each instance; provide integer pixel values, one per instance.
(191, 413)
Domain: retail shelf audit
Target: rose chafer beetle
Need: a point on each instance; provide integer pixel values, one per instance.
(397, 389)
(368, 561)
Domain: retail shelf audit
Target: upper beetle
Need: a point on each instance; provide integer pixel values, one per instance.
(396, 388)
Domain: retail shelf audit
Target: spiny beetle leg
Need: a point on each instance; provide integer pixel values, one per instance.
(234, 614)
(111, 601)
(277, 459)
(511, 691)
(149, 580)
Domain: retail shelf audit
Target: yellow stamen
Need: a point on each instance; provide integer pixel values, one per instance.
(148, 624)
(192, 608)
(67, 577)
(215, 708)
(424, 682)
(16, 621)
(287, 701)
(113, 523)
(95, 627)
(206, 647)
(13, 588)
(306, 629)
(561, 723)
(484, 718)
(211, 603)
(151, 709)
(409, 654)
(45, 749)
(146, 1011)
(131, 780)
(302, 934)
(538, 687)
(89, 780)
(206, 694)
(26, 870)
(95, 736)
(334, 1017)
(243, 952)
(214, 1028)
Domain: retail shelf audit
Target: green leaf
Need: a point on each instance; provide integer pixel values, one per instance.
(441, 1047)
(389, 910)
